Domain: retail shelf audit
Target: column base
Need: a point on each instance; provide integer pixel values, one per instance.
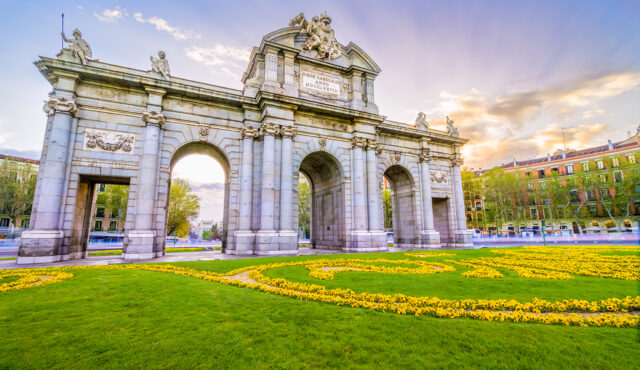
(140, 245)
(267, 241)
(366, 241)
(464, 239)
(243, 243)
(271, 242)
(430, 239)
(41, 246)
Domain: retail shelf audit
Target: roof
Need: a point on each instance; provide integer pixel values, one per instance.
(627, 143)
(19, 159)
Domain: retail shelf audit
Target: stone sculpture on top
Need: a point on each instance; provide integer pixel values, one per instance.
(79, 47)
(321, 36)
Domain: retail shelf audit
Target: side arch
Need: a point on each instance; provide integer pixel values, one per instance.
(404, 205)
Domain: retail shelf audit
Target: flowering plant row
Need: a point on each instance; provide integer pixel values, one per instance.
(618, 312)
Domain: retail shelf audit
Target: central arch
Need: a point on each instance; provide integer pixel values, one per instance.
(406, 233)
(327, 196)
(203, 148)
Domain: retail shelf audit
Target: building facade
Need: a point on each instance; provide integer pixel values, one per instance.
(605, 167)
(307, 106)
(20, 171)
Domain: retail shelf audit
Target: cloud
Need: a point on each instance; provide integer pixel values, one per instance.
(178, 33)
(111, 15)
(224, 57)
(524, 124)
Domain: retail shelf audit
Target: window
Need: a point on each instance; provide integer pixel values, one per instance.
(478, 206)
(97, 226)
(569, 169)
(543, 185)
(617, 176)
(604, 177)
(100, 212)
(604, 193)
(615, 161)
(101, 187)
(600, 164)
(591, 195)
(24, 223)
(527, 174)
(4, 222)
(540, 174)
(585, 166)
(113, 225)
(631, 158)
(534, 212)
(531, 186)
(554, 170)
(593, 210)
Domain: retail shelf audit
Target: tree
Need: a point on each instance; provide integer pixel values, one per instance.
(114, 198)
(17, 187)
(184, 206)
(304, 205)
(386, 207)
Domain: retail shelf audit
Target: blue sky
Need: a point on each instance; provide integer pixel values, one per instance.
(512, 74)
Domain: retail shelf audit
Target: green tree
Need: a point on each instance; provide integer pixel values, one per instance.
(304, 205)
(386, 208)
(184, 206)
(17, 187)
(114, 198)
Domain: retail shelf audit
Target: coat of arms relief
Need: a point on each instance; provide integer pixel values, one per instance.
(321, 35)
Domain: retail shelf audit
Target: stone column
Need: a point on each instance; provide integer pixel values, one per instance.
(464, 237)
(372, 186)
(141, 239)
(43, 241)
(430, 237)
(288, 236)
(244, 237)
(267, 237)
(358, 181)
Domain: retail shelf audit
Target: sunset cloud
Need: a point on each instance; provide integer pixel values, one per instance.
(511, 125)
(178, 33)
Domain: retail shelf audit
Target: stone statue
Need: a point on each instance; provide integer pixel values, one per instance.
(79, 47)
(160, 65)
(421, 121)
(451, 131)
(321, 36)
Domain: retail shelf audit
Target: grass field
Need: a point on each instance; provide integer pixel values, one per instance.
(135, 318)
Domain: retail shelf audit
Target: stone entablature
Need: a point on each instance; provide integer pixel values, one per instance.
(115, 124)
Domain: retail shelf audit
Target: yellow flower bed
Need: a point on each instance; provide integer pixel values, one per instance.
(540, 262)
(427, 255)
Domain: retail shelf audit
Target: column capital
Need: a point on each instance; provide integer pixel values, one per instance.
(358, 142)
(153, 118)
(456, 160)
(424, 155)
(269, 129)
(59, 104)
(249, 132)
(287, 131)
(372, 144)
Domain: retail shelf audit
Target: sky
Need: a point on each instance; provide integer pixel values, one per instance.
(519, 78)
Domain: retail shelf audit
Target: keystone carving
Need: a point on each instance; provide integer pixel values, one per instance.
(204, 132)
(153, 118)
(397, 156)
(322, 142)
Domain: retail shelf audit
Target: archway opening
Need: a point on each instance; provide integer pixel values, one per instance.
(326, 200)
(399, 206)
(198, 196)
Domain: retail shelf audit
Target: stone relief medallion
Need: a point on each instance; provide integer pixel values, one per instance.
(438, 177)
(204, 132)
(108, 141)
(322, 142)
(397, 156)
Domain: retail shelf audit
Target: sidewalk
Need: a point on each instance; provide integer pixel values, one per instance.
(169, 257)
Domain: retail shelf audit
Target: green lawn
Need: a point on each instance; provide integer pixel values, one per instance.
(132, 318)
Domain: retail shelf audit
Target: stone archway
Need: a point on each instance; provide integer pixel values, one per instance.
(406, 231)
(327, 200)
(211, 150)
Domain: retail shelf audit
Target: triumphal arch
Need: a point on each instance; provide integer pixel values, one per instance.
(307, 106)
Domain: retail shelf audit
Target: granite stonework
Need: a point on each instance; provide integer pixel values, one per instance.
(306, 107)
